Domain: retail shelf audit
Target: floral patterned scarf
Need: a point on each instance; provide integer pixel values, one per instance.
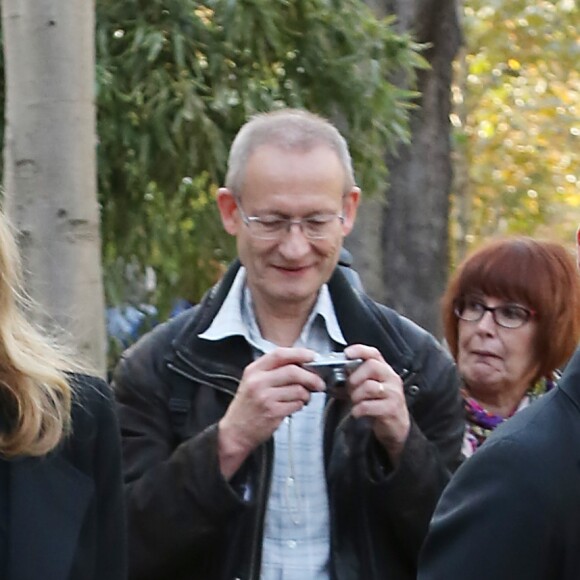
(481, 423)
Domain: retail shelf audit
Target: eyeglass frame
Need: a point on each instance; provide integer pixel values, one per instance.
(530, 313)
(288, 223)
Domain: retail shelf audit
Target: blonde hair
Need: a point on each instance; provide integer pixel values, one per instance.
(35, 392)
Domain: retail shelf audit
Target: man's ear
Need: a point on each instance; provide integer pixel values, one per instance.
(228, 210)
(350, 207)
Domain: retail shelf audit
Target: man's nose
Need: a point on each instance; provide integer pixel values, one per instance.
(294, 243)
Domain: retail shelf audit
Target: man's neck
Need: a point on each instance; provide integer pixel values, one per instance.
(281, 326)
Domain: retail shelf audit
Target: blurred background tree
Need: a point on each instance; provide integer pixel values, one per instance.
(177, 78)
(401, 239)
(517, 122)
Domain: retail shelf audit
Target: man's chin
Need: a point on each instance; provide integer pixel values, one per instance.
(293, 294)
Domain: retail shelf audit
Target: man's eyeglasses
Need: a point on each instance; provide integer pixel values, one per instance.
(506, 315)
(273, 227)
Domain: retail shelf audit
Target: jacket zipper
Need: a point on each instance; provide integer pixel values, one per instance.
(183, 359)
(253, 571)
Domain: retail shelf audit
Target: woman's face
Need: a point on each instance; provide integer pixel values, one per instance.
(493, 359)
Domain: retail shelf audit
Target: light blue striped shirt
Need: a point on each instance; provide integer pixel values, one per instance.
(296, 541)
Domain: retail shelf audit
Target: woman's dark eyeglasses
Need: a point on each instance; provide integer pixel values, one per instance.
(506, 315)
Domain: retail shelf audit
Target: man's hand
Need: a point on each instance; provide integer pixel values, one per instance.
(272, 388)
(376, 391)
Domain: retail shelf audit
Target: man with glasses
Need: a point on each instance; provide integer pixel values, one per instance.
(238, 461)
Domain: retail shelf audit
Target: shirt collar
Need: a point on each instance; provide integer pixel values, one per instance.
(236, 317)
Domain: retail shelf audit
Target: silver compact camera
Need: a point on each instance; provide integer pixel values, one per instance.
(334, 368)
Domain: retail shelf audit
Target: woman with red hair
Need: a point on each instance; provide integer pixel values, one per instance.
(511, 317)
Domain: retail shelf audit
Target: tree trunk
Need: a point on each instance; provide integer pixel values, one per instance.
(414, 239)
(50, 164)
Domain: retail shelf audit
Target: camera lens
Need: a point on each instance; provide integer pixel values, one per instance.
(338, 376)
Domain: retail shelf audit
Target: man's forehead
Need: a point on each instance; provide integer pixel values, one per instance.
(279, 164)
(298, 149)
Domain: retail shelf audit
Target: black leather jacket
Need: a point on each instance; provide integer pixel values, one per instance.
(187, 522)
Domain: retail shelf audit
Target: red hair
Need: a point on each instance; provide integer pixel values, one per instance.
(540, 275)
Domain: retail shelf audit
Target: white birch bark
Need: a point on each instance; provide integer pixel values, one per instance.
(50, 164)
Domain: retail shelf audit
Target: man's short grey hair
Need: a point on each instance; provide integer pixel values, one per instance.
(288, 129)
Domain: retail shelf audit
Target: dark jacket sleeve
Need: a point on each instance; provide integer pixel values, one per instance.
(109, 490)
(407, 495)
(493, 520)
(177, 499)
(96, 450)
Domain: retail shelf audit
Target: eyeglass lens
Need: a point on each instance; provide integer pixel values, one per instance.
(506, 315)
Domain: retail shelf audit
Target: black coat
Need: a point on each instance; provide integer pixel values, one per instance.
(187, 523)
(66, 519)
(513, 509)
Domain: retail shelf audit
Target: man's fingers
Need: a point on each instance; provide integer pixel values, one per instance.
(290, 374)
(281, 357)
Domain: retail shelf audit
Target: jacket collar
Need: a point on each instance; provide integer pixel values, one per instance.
(48, 502)
(207, 310)
(570, 380)
(363, 321)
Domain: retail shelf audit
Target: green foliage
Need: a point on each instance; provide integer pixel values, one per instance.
(520, 130)
(177, 78)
